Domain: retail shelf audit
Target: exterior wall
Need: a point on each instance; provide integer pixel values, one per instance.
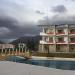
(62, 48)
(52, 48)
(72, 48)
(65, 39)
(42, 48)
(47, 48)
(6, 46)
(52, 31)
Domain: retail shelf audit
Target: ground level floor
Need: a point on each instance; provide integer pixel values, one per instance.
(45, 48)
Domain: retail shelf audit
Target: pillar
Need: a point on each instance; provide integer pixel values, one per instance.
(68, 48)
(55, 48)
(22, 50)
(16, 52)
(25, 49)
(12, 51)
(5, 51)
(2, 51)
(9, 51)
(42, 48)
(19, 50)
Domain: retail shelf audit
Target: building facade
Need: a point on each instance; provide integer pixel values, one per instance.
(57, 38)
(6, 46)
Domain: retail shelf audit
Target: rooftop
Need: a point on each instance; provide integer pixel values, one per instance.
(55, 25)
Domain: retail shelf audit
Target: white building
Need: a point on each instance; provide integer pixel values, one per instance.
(57, 38)
(6, 46)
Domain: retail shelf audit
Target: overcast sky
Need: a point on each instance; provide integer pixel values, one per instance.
(21, 17)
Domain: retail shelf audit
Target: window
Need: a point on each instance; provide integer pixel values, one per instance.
(51, 39)
(45, 30)
(46, 38)
(48, 30)
(72, 30)
(60, 39)
(60, 31)
(72, 39)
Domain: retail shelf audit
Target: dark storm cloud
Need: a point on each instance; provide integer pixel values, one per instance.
(39, 12)
(59, 9)
(16, 29)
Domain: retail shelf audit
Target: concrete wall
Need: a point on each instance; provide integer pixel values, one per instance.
(52, 48)
(4, 46)
(47, 48)
(56, 48)
(72, 48)
(62, 48)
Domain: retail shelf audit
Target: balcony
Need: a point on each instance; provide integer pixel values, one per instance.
(61, 42)
(46, 34)
(50, 33)
(59, 33)
(72, 42)
(72, 33)
(46, 42)
(43, 34)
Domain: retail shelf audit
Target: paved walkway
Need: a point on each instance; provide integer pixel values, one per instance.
(13, 68)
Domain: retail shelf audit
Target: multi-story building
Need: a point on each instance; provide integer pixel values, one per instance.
(57, 38)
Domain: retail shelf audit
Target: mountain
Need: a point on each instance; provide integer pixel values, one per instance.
(32, 42)
(25, 39)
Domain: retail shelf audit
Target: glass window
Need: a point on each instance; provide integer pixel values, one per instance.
(72, 30)
(60, 31)
(72, 39)
(51, 39)
(48, 30)
(60, 39)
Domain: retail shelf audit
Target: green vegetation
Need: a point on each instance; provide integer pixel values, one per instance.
(62, 55)
(32, 45)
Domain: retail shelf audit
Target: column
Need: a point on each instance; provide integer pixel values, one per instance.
(25, 49)
(67, 48)
(5, 51)
(43, 30)
(22, 50)
(55, 48)
(16, 52)
(9, 51)
(12, 51)
(19, 50)
(42, 48)
(68, 38)
(2, 51)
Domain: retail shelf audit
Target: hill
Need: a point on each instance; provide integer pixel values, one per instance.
(32, 42)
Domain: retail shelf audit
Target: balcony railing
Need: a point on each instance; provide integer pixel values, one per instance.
(50, 42)
(42, 33)
(72, 33)
(60, 42)
(46, 42)
(60, 33)
(72, 42)
(49, 33)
